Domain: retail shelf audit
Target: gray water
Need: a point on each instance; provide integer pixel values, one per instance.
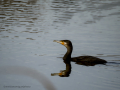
(28, 53)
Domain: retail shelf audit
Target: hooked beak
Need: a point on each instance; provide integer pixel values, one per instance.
(56, 41)
(59, 42)
(54, 74)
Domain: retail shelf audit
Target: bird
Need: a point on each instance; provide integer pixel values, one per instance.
(82, 60)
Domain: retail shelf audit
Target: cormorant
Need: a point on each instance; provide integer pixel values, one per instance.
(83, 60)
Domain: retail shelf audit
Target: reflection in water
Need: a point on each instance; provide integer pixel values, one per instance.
(67, 71)
(28, 26)
(82, 60)
(64, 73)
(18, 70)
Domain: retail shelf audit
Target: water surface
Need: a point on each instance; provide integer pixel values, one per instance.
(27, 31)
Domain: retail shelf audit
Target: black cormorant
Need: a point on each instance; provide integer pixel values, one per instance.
(84, 60)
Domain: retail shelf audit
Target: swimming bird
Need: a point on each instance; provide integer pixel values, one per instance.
(83, 60)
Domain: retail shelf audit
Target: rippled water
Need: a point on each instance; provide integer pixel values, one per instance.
(27, 31)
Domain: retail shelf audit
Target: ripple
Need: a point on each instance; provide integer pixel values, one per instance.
(30, 38)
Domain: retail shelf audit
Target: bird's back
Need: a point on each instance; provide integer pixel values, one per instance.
(88, 59)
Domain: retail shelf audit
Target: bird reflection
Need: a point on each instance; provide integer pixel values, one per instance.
(64, 73)
(67, 71)
(81, 60)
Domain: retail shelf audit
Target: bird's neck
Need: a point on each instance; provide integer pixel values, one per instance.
(67, 56)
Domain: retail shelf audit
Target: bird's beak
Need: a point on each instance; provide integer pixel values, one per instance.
(56, 41)
(54, 74)
(59, 42)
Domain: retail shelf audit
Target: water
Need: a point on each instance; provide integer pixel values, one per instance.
(27, 31)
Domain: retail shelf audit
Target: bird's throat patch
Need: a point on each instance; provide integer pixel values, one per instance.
(62, 43)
